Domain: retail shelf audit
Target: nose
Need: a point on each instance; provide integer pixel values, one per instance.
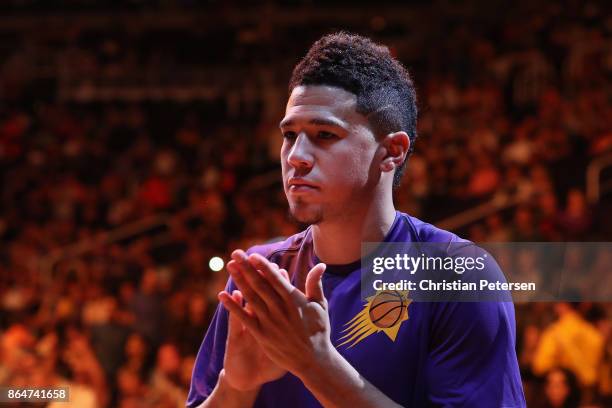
(300, 154)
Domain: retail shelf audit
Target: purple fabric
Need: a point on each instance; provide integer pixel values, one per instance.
(446, 354)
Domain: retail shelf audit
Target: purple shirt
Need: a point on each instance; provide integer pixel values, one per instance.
(451, 354)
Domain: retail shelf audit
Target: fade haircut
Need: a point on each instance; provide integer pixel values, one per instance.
(385, 92)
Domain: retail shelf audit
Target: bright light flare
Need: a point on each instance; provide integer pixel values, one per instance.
(216, 264)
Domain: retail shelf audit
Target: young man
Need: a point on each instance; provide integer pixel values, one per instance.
(280, 338)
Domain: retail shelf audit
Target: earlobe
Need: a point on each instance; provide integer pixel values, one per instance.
(387, 165)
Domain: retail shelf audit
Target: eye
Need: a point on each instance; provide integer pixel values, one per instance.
(326, 135)
(289, 135)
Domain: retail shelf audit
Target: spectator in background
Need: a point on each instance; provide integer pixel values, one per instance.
(16, 343)
(199, 314)
(131, 390)
(576, 220)
(166, 378)
(147, 308)
(520, 150)
(516, 184)
(485, 179)
(497, 230)
(548, 216)
(604, 325)
(107, 332)
(561, 390)
(137, 355)
(529, 345)
(86, 380)
(187, 370)
(524, 227)
(570, 342)
(540, 179)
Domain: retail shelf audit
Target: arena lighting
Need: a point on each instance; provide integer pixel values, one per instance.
(216, 264)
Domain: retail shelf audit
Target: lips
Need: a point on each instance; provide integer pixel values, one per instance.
(299, 185)
(301, 189)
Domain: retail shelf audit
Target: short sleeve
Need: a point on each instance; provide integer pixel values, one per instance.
(209, 360)
(472, 356)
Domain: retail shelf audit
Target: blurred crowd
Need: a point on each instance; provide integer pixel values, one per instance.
(113, 202)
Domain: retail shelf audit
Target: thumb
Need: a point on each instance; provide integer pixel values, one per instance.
(314, 286)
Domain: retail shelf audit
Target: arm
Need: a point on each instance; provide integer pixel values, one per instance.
(472, 358)
(336, 383)
(230, 367)
(224, 395)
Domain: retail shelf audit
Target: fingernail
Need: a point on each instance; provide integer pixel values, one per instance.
(239, 256)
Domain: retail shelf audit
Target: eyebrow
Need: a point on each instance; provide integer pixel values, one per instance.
(314, 121)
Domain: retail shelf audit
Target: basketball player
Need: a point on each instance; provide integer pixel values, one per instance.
(279, 338)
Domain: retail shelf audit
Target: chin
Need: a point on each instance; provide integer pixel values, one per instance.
(305, 214)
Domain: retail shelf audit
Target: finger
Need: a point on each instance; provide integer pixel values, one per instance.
(238, 313)
(255, 276)
(289, 296)
(251, 296)
(237, 296)
(314, 285)
(235, 327)
(296, 296)
(239, 299)
(281, 285)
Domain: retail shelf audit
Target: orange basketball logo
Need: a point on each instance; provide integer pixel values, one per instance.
(387, 308)
(385, 311)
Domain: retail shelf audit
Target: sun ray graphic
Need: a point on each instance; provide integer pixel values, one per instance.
(361, 326)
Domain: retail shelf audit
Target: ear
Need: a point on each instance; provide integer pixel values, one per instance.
(396, 146)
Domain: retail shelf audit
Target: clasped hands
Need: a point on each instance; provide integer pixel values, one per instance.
(279, 328)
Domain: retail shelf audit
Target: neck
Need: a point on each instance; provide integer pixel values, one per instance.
(338, 241)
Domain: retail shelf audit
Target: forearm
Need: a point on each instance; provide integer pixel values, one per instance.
(336, 383)
(224, 395)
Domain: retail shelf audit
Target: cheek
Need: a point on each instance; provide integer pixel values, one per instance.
(363, 157)
(351, 167)
(283, 162)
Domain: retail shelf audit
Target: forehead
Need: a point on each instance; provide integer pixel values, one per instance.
(321, 100)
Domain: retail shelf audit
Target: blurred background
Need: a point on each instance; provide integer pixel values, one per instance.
(139, 141)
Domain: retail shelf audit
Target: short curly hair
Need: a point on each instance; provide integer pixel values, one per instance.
(385, 92)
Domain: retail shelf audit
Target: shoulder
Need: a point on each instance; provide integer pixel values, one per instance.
(276, 249)
(422, 231)
(436, 242)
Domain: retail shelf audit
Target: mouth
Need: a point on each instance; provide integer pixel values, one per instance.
(301, 186)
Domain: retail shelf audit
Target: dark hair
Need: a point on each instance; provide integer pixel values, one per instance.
(574, 393)
(385, 92)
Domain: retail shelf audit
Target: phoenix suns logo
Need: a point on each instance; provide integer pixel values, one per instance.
(385, 311)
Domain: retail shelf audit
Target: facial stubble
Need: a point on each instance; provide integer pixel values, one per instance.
(300, 212)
